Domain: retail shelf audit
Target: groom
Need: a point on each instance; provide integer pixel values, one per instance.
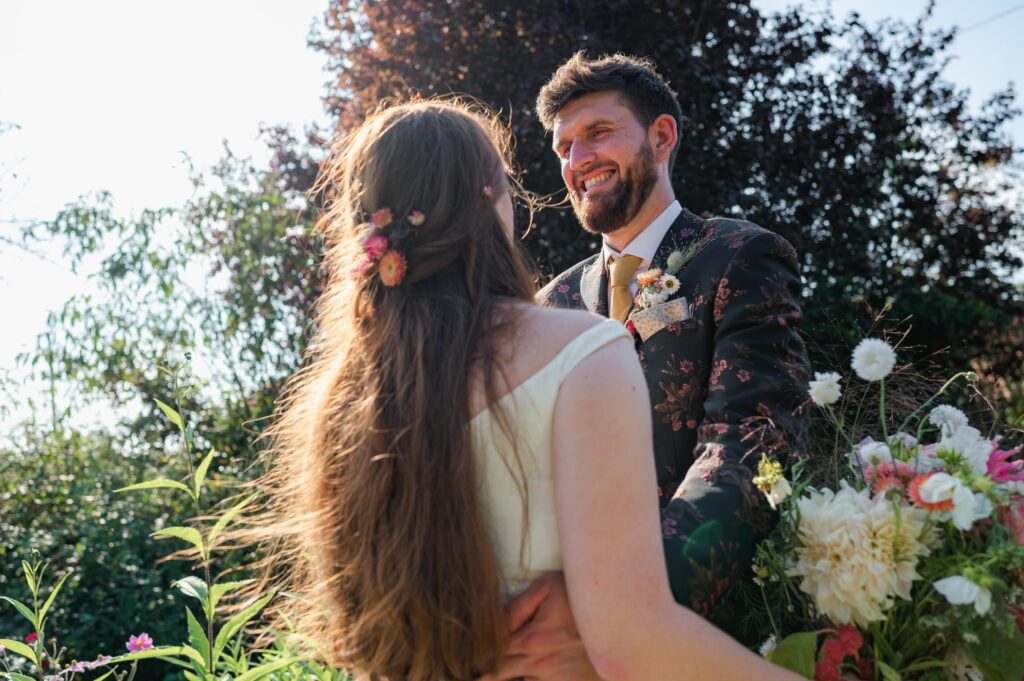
(715, 329)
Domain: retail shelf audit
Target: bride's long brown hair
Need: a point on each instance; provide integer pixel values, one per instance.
(372, 515)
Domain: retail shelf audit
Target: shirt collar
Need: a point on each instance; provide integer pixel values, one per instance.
(646, 243)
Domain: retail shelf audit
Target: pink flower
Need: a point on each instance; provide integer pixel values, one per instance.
(364, 265)
(416, 218)
(31, 638)
(563, 288)
(381, 217)
(375, 246)
(1001, 470)
(140, 642)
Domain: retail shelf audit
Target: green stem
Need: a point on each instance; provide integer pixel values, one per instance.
(881, 411)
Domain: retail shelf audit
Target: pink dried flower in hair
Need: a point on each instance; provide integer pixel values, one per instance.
(416, 218)
(381, 217)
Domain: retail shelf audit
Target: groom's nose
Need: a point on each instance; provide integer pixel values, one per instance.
(581, 155)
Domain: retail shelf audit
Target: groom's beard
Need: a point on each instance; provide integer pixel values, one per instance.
(611, 210)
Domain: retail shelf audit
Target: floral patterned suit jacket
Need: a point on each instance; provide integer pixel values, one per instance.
(726, 385)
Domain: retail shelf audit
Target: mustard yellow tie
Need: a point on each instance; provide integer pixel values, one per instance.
(620, 274)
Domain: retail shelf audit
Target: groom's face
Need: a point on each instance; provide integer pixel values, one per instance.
(607, 160)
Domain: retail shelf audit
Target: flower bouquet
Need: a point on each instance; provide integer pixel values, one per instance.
(911, 565)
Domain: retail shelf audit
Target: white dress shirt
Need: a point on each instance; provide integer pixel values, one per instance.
(645, 244)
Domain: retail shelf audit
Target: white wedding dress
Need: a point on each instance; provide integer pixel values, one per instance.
(529, 409)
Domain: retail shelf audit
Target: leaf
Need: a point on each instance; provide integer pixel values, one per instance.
(174, 416)
(218, 590)
(229, 515)
(29, 577)
(189, 534)
(52, 598)
(19, 648)
(24, 610)
(194, 587)
(232, 626)
(267, 668)
(105, 675)
(156, 484)
(888, 673)
(999, 652)
(200, 475)
(796, 653)
(197, 638)
(18, 677)
(169, 653)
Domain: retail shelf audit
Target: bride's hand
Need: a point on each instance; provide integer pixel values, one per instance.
(544, 645)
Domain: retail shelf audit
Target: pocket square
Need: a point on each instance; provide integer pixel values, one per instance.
(652, 320)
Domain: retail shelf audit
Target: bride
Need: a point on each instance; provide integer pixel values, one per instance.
(448, 441)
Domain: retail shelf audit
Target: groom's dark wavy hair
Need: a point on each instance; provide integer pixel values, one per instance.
(372, 516)
(636, 79)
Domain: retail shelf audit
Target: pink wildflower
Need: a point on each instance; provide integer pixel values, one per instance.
(416, 218)
(381, 217)
(140, 642)
(375, 246)
(1002, 470)
(31, 638)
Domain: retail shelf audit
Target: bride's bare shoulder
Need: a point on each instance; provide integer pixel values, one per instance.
(552, 328)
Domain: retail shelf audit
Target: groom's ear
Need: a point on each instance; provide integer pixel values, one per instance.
(663, 135)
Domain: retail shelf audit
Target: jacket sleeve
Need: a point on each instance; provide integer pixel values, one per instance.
(756, 388)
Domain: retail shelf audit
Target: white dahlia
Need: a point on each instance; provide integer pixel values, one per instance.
(855, 556)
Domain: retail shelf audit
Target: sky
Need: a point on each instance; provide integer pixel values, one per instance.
(109, 95)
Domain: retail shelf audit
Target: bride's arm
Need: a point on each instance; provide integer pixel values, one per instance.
(607, 512)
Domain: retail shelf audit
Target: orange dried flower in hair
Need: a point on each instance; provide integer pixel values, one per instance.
(391, 268)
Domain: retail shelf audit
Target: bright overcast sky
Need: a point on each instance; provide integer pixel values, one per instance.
(108, 94)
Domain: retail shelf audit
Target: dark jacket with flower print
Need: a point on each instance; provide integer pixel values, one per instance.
(725, 385)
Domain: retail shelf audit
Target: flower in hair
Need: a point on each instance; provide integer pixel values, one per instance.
(487, 191)
(381, 245)
(375, 245)
(391, 268)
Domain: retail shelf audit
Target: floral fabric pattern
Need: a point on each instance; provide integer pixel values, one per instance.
(726, 385)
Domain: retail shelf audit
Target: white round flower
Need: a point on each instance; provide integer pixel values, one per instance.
(855, 556)
(947, 418)
(959, 590)
(669, 284)
(873, 359)
(874, 453)
(966, 442)
(657, 297)
(824, 389)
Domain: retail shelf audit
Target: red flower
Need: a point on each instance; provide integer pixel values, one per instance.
(850, 638)
(630, 326)
(833, 651)
(826, 671)
(31, 638)
(391, 268)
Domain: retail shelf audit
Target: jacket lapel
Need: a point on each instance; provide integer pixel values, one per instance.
(681, 236)
(594, 286)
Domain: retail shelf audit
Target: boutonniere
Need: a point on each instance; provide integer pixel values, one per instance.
(656, 286)
(657, 304)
